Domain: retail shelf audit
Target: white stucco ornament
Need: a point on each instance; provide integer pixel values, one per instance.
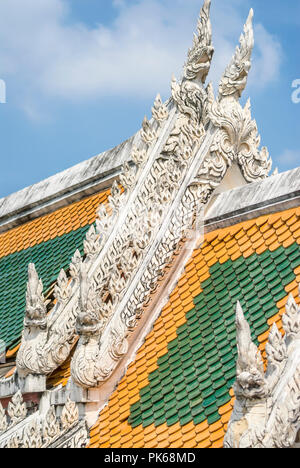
(267, 408)
(179, 157)
(185, 151)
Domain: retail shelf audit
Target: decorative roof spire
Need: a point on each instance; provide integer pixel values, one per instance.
(183, 154)
(36, 306)
(250, 380)
(266, 412)
(200, 55)
(235, 77)
(90, 306)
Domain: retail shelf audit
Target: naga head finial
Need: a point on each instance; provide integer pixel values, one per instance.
(250, 380)
(36, 306)
(200, 55)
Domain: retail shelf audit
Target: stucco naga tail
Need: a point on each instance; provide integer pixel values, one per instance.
(44, 343)
(267, 408)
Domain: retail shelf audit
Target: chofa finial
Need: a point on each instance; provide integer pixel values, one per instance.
(200, 55)
(266, 412)
(235, 76)
(250, 370)
(36, 306)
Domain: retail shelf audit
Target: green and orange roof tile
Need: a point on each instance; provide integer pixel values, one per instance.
(178, 391)
(50, 242)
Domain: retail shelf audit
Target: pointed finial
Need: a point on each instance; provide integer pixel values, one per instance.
(239, 316)
(235, 77)
(200, 55)
(250, 16)
(250, 381)
(36, 307)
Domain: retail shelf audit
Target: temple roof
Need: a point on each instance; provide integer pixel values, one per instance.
(50, 242)
(73, 184)
(123, 279)
(178, 390)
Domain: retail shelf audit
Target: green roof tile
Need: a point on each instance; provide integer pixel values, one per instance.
(13, 278)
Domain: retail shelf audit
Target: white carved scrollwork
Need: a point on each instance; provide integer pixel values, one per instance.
(15, 414)
(3, 420)
(51, 426)
(75, 266)
(200, 55)
(94, 359)
(138, 156)
(62, 289)
(267, 408)
(92, 243)
(291, 319)
(148, 133)
(237, 139)
(31, 437)
(250, 380)
(44, 430)
(70, 414)
(235, 77)
(16, 409)
(159, 110)
(234, 130)
(14, 442)
(36, 309)
(44, 348)
(183, 154)
(128, 176)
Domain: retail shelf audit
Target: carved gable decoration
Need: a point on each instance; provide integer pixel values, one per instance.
(185, 151)
(181, 156)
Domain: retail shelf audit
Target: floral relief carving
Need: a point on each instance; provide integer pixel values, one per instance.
(43, 431)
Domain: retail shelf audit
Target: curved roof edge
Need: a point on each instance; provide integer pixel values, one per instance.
(276, 193)
(68, 186)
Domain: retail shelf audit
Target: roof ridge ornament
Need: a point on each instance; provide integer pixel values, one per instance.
(190, 95)
(238, 139)
(51, 427)
(250, 369)
(36, 306)
(266, 412)
(179, 157)
(16, 410)
(235, 77)
(200, 55)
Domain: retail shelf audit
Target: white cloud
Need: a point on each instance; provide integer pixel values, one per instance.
(267, 58)
(47, 54)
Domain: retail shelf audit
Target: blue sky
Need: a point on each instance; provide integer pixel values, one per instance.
(81, 74)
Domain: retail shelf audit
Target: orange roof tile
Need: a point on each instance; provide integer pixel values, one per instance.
(178, 403)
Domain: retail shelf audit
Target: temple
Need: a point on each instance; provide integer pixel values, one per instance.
(149, 296)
